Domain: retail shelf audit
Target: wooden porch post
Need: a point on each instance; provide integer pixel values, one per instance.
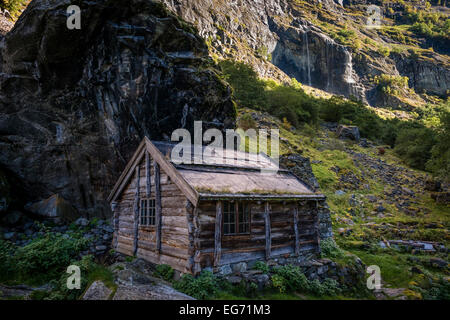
(218, 234)
(158, 215)
(268, 231)
(297, 243)
(136, 210)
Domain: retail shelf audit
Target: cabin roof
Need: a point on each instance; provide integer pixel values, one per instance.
(241, 175)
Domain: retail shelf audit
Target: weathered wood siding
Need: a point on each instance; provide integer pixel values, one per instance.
(253, 245)
(174, 226)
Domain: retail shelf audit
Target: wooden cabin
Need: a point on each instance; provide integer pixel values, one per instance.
(210, 215)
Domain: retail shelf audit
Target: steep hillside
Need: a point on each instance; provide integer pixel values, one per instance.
(328, 45)
(382, 210)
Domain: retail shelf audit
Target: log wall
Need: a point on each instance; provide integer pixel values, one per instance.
(174, 224)
(252, 246)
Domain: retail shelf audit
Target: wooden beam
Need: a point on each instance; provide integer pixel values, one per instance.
(127, 173)
(136, 210)
(148, 174)
(173, 173)
(268, 231)
(158, 205)
(297, 244)
(218, 234)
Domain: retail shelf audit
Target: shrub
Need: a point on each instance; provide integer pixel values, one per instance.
(294, 278)
(6, 259)
(206, 285)
(48, 253)
(414, 146)
(329, 249)
(260, 265)
(164, 271)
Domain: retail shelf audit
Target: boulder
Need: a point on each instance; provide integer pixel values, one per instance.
(55, 208)
(441, 197)
(433, 185)
(97, 291)
(348, 132)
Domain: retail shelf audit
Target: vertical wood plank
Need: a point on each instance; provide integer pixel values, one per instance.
(297, 244)
(148, 175)
(158, 206)
(136, 210)
(191, 246)
(317, 225)
(116, 218)
(218, 234)
(268, 230)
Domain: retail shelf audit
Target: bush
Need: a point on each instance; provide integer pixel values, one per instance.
(47, 254)
(439, 162)
(6, 261)
(291, 278)
(262, 266)
(329, 249)
(206, 285)
(294, 278)
(414, 146)
(164, 271)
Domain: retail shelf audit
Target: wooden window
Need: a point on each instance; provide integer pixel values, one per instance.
(147, 212)
(236, 218)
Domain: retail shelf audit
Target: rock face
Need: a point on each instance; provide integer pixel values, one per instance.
(74, 104)
(279, 40)
(55, 208)
(296, 48)
(134, 282)
(97, 291)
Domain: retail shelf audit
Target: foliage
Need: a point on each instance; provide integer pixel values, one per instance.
(290, 278)
(41, 259)
(414, 146)
(262, 266)
(164, 271)
(6, 261)
(90, 272)
(329, 249)
(13, 6)
(390, 84)
(47, 254)
(439, 162)
(206, 285)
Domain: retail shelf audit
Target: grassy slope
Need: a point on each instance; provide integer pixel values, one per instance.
(423, 219)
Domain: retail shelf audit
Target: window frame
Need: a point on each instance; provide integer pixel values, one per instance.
(149, 216)
(246, 208)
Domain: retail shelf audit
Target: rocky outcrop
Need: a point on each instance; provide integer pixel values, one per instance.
(134, 281)
(279, 40)
(428, 74)
(74, 104)
(273, 38)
